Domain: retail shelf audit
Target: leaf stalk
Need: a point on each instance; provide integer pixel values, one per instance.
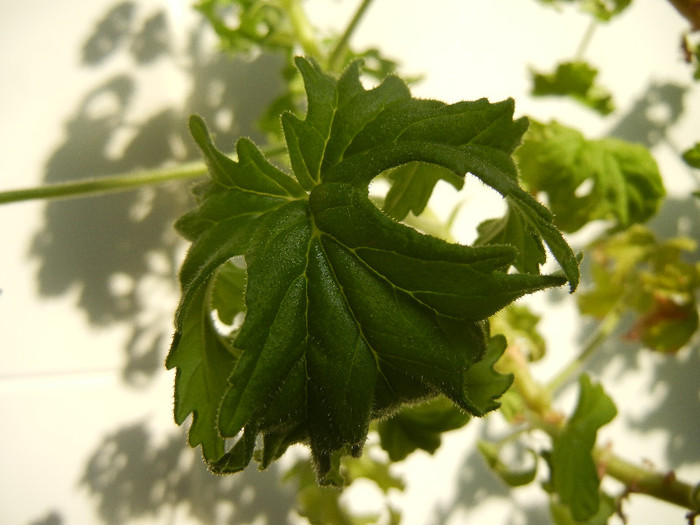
(606, 327)
(336, 57)
(115, 183)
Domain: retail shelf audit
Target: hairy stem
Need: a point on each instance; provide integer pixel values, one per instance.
(336, 58)
(122, 182)
(663, 486)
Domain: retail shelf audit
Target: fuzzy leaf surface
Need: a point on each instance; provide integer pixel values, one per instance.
(348, 314)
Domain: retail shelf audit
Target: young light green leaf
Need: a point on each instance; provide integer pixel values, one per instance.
(574, 474)
(691, 156)
(519, 325)
(561, 514)
(514, 477)
(603, 10)
(575, 80)
(348, 314)
(651, 278)
(587, 180)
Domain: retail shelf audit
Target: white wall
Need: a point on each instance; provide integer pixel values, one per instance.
(67, 308)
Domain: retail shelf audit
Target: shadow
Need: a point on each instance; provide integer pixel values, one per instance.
(51, 518)
(132, 478)
(120, 254)
(477, 483)
(653, 113)
(109, 34)
(105, 248)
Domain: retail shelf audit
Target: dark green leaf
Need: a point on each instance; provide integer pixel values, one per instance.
(419, 427)
(510, 229)
(412, 185)
(576, 80)
(587, 180)
(227, 295)
(574, 475)
(348, 314)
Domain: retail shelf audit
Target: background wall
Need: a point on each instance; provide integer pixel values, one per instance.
(89, 285)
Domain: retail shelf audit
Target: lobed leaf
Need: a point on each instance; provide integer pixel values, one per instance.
(419, 427)
(588, 180)
(574, 474)
(576, 80)
(514, 477)
(349, 315)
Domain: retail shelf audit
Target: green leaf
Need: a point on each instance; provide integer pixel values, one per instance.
(576, 80)
(512, 230)
(561, 514)
(634, 270)
(691, 156)
(412, 185)
(574, 474)
(519, 325)
(588, 180)
(349, 315)
(257, 23)
(203, 364)
(603, 10)
(227, 295)
(419, 427)
(514, 477)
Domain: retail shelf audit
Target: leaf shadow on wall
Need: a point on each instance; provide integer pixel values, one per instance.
(132, 477)
(110, 248)
(476, 484)
(120, 254)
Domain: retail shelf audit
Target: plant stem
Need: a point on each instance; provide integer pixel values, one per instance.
(121, 182)
(643, 481)
(336, 56)
(303, 29)
(586, 40)
(606, 327)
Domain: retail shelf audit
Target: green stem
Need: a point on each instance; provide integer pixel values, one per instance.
(303, 30)
(122, 182)
(663, 486)
(336, 57)
(586, 40)
(636, 479)
(606, 327)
